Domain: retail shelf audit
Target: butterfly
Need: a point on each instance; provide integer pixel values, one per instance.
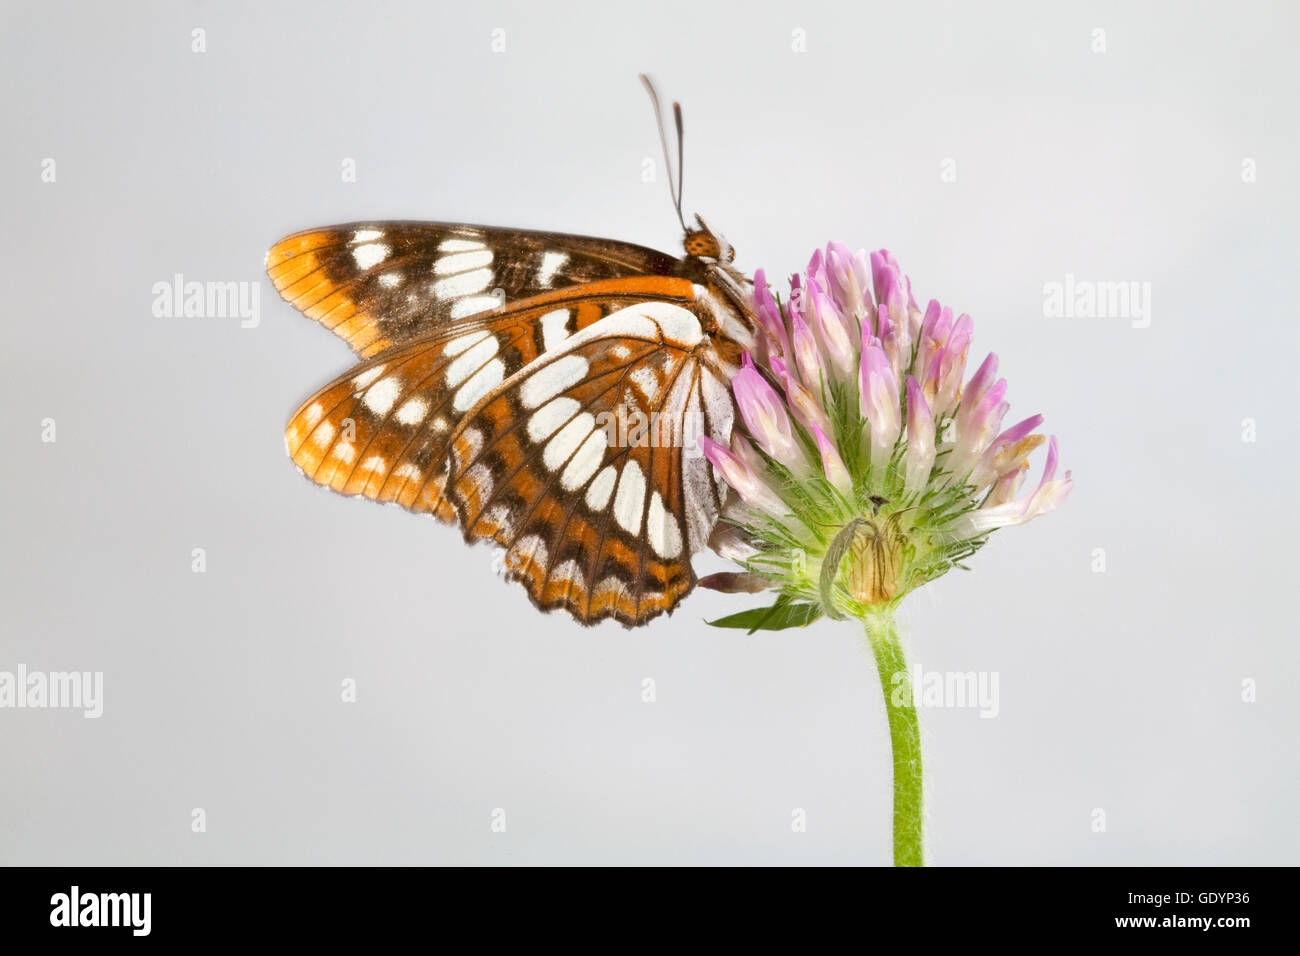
(543, 391)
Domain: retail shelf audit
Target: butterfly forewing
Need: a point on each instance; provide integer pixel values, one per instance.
(383, 284)
(585, 465)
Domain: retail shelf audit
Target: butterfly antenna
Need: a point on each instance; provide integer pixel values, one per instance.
(674, 183)
(681, 162)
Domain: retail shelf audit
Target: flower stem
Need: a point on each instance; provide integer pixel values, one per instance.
(904, 737)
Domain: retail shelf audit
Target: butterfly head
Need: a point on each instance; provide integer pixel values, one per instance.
(701, 243)
(704, 243)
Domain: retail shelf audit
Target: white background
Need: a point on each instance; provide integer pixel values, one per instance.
(1119, 690)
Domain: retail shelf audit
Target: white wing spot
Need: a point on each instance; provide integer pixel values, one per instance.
(499, 515)
(566, 441)
(679, 326)
(481, 478)
(368, 376)
(462, 262)
(610, 587)
(551, 416)
(323, 435)
(345, 451)
(375, 463)
(370, 254)
(530, 547)
(555, 328)
(472, 441)
(552, 379)
(473, 304)
(661, 527)
(599, 491)
(412, 412)
(466, 283)
(629, 502)
(648, 321)
(459, 245)
(407, 471)
(380, 396)
(569, 572)
(585, 461)
(313, 414)
(366, 235)
(390, 279)
(552, 262)
(471, 361)
(461, 342)
(647, 381)
(482, 382)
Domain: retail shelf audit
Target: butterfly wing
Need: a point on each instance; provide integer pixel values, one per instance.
(585, 464)
(379, 285)
(384, 429)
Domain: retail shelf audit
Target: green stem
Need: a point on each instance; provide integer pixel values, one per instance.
(904, 737)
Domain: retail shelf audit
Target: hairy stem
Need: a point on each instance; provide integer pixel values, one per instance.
(904, 737)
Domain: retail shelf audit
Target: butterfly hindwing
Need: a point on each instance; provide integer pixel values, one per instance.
(585, 466)
(383, 430)
(379, 285)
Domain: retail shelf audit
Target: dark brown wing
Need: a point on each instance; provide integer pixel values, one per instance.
(383, 284)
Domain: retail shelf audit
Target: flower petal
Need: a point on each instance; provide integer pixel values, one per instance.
(832, 463)
(753, 491)
(878, 401)
(918, 458)
(765, 415)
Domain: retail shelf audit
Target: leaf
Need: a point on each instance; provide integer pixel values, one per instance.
(781, 615)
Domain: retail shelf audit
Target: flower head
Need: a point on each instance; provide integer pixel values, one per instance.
(865, 467)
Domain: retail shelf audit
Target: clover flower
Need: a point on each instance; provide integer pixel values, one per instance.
(865, 467)
(866, 464)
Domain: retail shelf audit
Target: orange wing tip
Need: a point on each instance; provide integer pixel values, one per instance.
(299, 243)
(285, 274)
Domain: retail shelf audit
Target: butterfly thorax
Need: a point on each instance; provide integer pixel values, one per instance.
(728, 293)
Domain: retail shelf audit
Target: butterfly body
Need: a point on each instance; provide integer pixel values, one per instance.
(493, 363)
